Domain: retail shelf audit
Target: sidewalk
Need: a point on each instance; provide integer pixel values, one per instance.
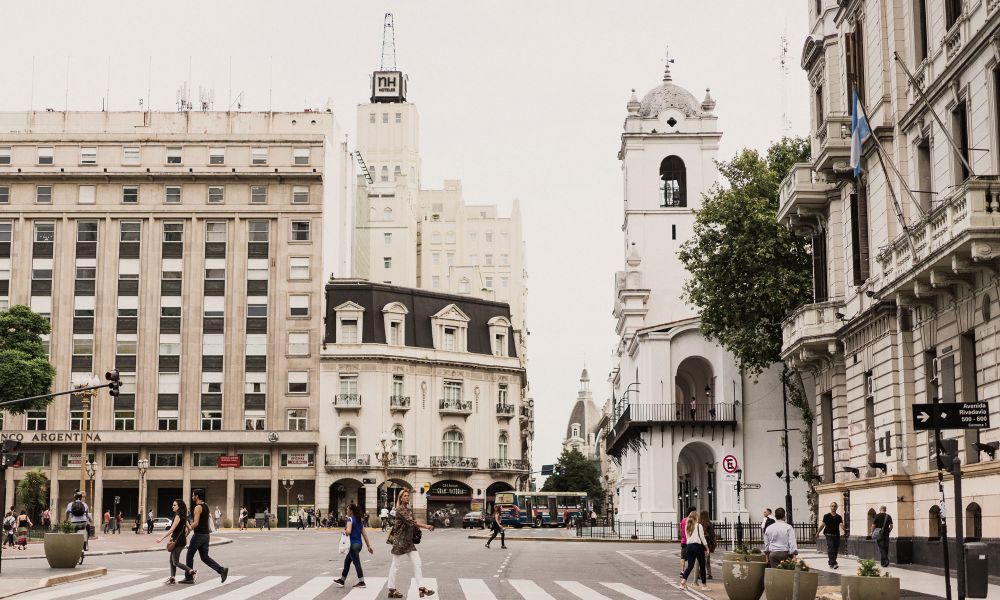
(26, 576)
(123, 543)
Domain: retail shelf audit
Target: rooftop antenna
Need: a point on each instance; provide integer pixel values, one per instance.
(183, 104)
(786, 124)
(388, 60)
(238, 102)
(206, 98)
(667, 61)
(107, 89)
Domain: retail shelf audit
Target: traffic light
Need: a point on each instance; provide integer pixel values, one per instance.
(115, 382)
(11, 455)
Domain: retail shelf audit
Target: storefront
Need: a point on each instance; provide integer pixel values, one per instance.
(447, 503)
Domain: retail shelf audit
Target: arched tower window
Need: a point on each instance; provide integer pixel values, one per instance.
(974, 521)
(397, 434)
(385, 173)
(934, 523)
(673, 182)
(502, 445)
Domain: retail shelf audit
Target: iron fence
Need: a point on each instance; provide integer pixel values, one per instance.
(728, 534)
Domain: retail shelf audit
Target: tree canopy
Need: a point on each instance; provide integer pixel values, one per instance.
(747, 270)
(574, 472)
(33, 492)
(25, 369)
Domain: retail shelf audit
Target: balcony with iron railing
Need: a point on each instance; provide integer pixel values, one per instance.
(455, 406)
(527, 413)
(403, 460)
(811, 329)
(508, 464)
(399, 403)
(347, 401)
(337, 462)
(831, 144)
(454, 463)
(635, 418)
(802, 194)
(504, 410)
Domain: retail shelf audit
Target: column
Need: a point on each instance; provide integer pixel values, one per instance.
(54, 485)
(186, 477)
(231, 497)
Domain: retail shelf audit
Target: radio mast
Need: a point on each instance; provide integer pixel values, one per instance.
(388, 60)
(786, 124)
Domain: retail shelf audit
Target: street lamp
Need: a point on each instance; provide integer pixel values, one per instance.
(635, 493)
(142, 464)
(85, 395)
(288, 484)
(91, 472)
(385, 453)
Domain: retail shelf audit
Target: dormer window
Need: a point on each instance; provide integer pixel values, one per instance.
(349, 331)
(450, 327)
(450, 333)
(576, 430)
(349, 323)
(394, 321)
(673, 187)
(499, 330)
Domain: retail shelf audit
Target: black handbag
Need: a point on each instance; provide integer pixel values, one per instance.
(417, 534)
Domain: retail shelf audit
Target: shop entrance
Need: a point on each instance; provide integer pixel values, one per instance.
(128, 505)
(256, 500)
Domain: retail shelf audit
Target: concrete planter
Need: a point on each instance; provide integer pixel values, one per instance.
(779, 583)
(63, 550)
(743, 580)
(869, 588)
(736, 557)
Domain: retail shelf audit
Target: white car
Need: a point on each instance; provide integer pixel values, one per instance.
(162, 524)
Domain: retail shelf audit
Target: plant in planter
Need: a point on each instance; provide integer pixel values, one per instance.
(870, 583)
(780, 582)
(745, 554)
(743, 573)
(64, 546)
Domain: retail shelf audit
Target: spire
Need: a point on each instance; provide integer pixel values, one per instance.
(708, 104)
(666, 66)
(633, 105)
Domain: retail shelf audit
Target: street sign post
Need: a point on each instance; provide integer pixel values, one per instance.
(951, 415)
(751, 486)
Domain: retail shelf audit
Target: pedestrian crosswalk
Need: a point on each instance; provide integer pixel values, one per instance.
(124, 585)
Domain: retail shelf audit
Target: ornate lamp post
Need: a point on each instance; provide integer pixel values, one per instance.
(86, 396)
(287, 484)
(91, 473)
(385, 452)
(142, 465)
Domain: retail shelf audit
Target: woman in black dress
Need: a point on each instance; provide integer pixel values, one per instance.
(497, 527)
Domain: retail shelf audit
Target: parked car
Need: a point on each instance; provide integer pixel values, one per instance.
(473, 520)
(161, 523)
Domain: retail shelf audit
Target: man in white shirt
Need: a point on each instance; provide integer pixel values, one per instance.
(78, 513)
(779, 540)
(766, 521)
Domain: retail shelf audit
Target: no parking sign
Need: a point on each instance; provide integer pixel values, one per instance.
(730, 464)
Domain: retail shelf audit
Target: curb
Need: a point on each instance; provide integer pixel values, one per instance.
(574, 539)
(220, 542)
(74, 576)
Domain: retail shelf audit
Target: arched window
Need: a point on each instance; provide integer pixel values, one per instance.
(436, 237)
(974, 521)
(450, 238)
(454, 444)
(673, 182)
(387, 213)
(502, 445)
(576, 430)
(397, 436)
(348, 443)
(934, 523)
(384, 173)
(396, 173)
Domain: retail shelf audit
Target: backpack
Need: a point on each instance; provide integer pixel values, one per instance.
(77, 509)
(8, 524)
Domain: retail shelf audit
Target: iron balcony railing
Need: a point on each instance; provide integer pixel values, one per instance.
(348, 461)
(508, 464)
(704, 414)
(505, 410)
(347, 400)
(403, 460)
(399, 402)
(456, 406)
(453, 462)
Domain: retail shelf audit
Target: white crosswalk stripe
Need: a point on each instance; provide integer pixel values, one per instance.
(128, 591)
(530, 590)
(429, 583)
(631, 592)
(476, 588)
(189, 591)
(374, 590)
(249, 591)
(583, 592)
(75, 590)
(310, 589)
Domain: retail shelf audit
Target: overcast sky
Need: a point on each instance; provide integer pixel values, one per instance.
(518, 99)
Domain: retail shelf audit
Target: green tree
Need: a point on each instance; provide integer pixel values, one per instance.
(25, 369)
(748, 271)
(574, 472)
(33, 492)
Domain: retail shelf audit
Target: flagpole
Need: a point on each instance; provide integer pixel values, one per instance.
(944, 129)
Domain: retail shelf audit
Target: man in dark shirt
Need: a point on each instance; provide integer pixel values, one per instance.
(832, 528)
(881, 527)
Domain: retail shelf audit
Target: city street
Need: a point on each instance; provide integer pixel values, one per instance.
(300, 565)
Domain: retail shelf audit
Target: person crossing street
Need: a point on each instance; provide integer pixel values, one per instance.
(497, 528)
(200, 540)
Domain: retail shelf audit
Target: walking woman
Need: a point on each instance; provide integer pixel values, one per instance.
(356, 531)
(696, 545)
(706, 522)
(497, 527)
(178, 540)
(405, 526)
(24, 524)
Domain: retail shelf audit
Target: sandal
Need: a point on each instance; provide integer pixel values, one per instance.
(395, 594)
(170, 581)
(426, 592)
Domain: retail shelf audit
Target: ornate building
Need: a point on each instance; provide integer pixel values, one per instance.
(582, 429)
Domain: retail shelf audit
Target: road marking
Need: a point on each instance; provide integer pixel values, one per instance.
(476, 588)
(414, 594)
(135, 589)
(582, 591)
(199, 588)
(310, 589)
(633, 593)
(71, 590)
(369, 593)
(248, 591)
(529, 590)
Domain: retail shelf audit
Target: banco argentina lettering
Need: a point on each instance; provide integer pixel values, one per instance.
(50, 436)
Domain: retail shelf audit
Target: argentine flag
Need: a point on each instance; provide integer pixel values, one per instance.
(859, 132)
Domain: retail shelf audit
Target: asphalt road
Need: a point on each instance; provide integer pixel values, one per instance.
(300, 565)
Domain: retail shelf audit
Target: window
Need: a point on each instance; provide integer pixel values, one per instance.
(920, 29)
(387, 262)
(489, 236)
(436, 258)
(83, 344)
(88, 194)
(488, 282)
(300, 231)
(503, 442)
(170, 344)
(206, 459)
(130, 155)
(130, 194)
(960, 133)
(4, 194)
(86, 231)
(348, 385)
(385, 117)
(398, 439)
(131, 231)
(5, 155)
(173, 155)
(298, 419)
(859, 233)
(298, 305)
(213, 344)
(396, 172)
(952, 12)
(173, 194)
(259, 231)
(371, 117)
(502, 394)
(463, 286)
(298, 267)
(298, 382)
(499, 345)
(854, 56)
(120, 459)
(298, 343)
(300, 194)
(211, 419)
(349, 332)
(35, 420)
(387, 238)
(504, 259)
(673, 182)
(257, 269)
(453, 444)
(43, 194)
(348, 443)
(215, 231)
(45, 156)
(818, 249)
(215, 306)
(257, 306)
(451, 259)
(216, 156)
(450, 334)
(301, 156)
(399, 117)
(453, 391)
(818, 99)
(398, 385)
(166, 459)
(925, 176)
(394, 333)
(124, 418)
(504, 281)
(88, 155)
(489, 260)
(255, 459)
(256, 345)
(387, 214)
(35, 459)
(173, 232)
(41, 268)
(258, 194)
(473, 259)
(384, 173)
(258, 156)
(216, 194)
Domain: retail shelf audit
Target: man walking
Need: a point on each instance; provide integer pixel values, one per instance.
(765, 522)
(200, 539)
(881, 527)
(832, 528)
(107, 521)
(779, 540)
(218, 517)
(267, 520)
(149, 522)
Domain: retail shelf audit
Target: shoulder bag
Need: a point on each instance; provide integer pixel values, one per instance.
(417, 534)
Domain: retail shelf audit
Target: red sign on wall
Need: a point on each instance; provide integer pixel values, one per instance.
(229, 461)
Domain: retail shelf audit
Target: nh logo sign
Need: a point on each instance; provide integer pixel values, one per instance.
(387, 83)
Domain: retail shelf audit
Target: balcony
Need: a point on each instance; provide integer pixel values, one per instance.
(452, 463)
(403, 460)
(455, 406)
(811, 330)
(955, 239)
(347, 401)
(801, 194)
(399, 403)
(636, 418)
(508, 464)
(338, 462)
(527, 413)
(831, 149)
(505, 411)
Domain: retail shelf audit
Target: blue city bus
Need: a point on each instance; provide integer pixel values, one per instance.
(541, 509)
